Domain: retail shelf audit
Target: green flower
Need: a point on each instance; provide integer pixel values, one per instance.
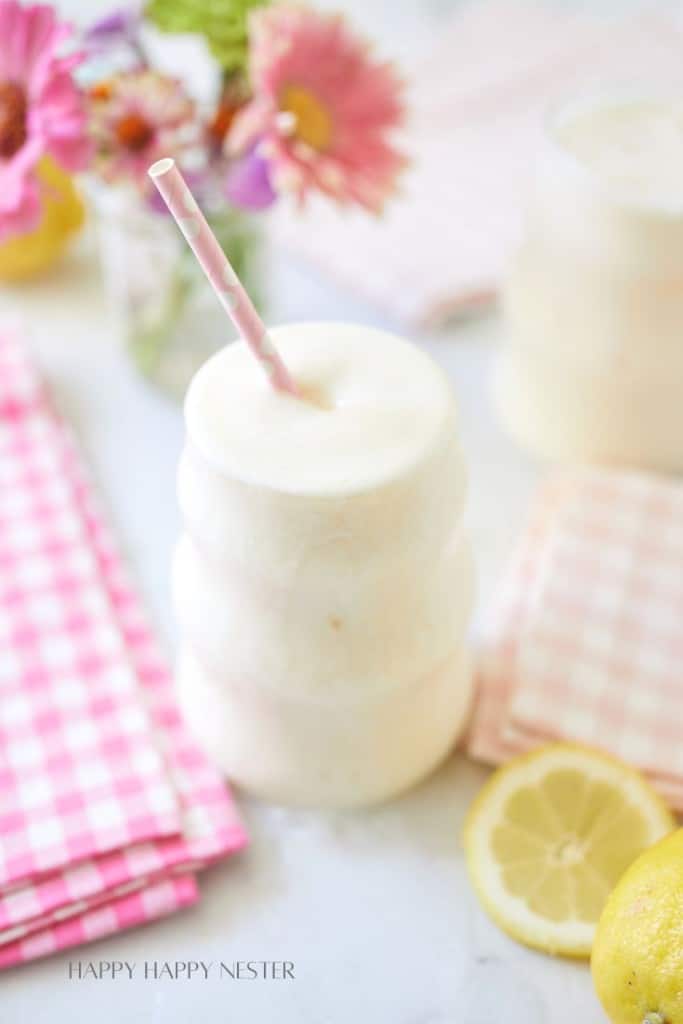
(222, 22)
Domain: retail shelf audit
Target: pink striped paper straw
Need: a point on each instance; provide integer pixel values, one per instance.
(223, 278)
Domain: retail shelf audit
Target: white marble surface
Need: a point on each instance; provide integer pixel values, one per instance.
(374, 908)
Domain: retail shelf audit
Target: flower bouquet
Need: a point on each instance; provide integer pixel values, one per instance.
(300, 106)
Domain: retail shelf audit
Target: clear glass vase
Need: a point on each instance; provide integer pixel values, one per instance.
(164, 309)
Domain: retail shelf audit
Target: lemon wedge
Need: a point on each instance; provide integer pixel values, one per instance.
(548, 838)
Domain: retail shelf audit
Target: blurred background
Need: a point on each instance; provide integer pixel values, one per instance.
(119, 315)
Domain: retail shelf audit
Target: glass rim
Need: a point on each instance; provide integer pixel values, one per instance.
(593, 97)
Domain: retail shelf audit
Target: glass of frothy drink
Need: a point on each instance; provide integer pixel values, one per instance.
(593, 364)
(323, 583)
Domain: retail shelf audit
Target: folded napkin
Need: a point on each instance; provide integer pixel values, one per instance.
(477, 105)
(584, 641)
(107, 808)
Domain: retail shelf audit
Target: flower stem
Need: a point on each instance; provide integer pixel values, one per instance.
(138, 50)
(148, 346)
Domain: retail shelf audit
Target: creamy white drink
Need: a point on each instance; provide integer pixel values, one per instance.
(593, 365)
(323, 583)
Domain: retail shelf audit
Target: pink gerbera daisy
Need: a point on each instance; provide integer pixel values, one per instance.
(41, 111)
(323, 110)
(136, 118)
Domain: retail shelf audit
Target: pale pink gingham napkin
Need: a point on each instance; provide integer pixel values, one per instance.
(584, 641)
(105, 803)
(477, 104)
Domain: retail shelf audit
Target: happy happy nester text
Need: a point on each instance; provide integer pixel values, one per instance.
(181, 970)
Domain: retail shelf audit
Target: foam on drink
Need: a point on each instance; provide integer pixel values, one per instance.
(635, 146)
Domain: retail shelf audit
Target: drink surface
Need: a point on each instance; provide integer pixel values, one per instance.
(374, 404)
(634, 146)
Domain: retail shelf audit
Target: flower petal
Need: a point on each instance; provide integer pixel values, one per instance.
(248, 183)
(331, 70)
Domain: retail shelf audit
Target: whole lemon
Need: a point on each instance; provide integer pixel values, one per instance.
(637, 958)
(27, 255)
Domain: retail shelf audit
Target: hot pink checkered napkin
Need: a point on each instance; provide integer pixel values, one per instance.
(105, 803)
(584, 640)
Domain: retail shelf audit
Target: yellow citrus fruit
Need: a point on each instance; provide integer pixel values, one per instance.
(638, 953)
(548, 838)
(25, 256)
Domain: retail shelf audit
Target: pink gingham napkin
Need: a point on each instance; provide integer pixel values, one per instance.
(584, 642)
(106, 805)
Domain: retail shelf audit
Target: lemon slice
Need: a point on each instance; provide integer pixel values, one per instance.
(548, 838)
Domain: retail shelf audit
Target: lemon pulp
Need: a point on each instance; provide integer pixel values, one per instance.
(550, 835)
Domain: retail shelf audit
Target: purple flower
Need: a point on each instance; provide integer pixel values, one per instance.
(117, 32)
(120, 24)
(248, 183)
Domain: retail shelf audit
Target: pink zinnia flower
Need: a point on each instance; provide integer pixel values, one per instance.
(41, 111)
(136, 118)
(322, 111)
